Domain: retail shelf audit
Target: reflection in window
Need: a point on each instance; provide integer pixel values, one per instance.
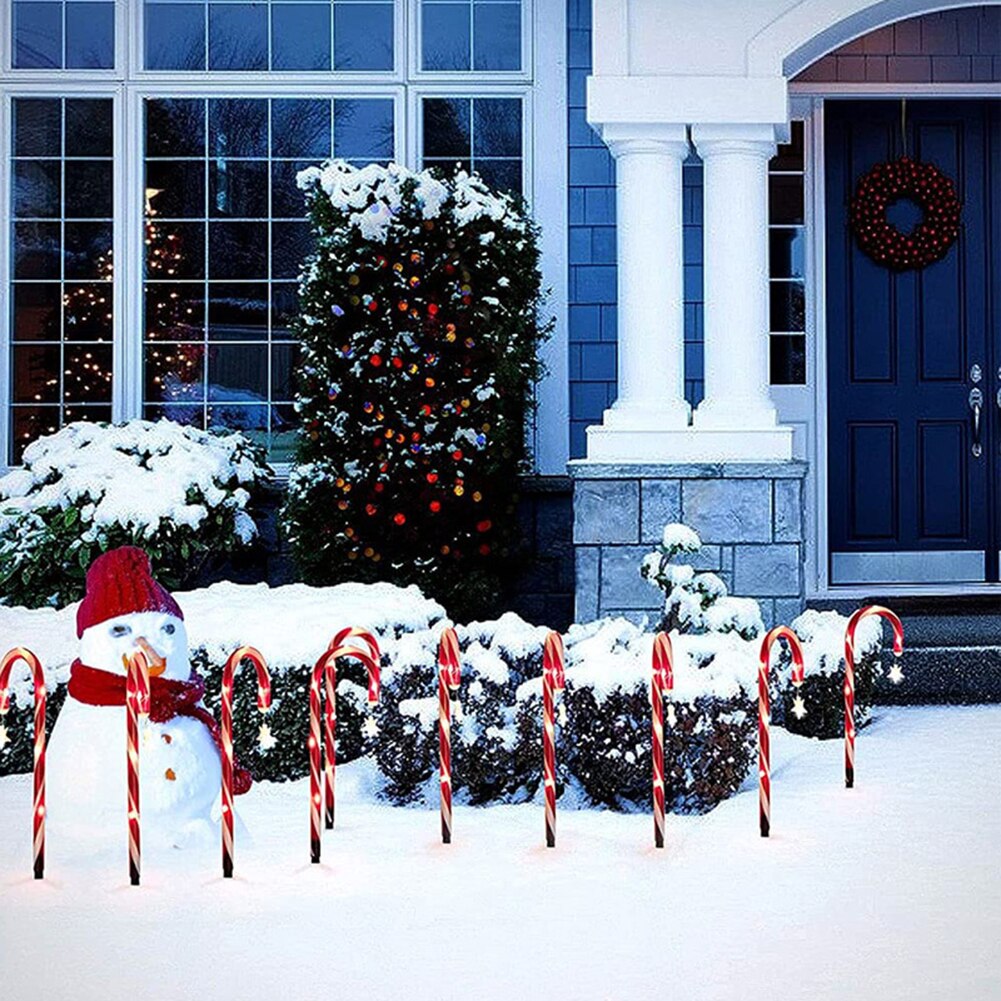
(280, 35)
(787, 263)
(226, 236)
(478, 35)
(61, 293)
(479, 133)
(63, 34)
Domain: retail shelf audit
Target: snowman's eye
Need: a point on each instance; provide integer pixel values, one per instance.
(169, 628)
(120, 630)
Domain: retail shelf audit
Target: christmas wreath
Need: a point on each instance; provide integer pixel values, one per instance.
(905, 180)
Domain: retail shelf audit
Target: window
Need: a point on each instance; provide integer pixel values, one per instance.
(279, 35)
(225, 241)
(478, 35)
(61, 295)
(63, 34)
(787, 263)
(232, 98)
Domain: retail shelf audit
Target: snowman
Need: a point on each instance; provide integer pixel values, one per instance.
(125, 610)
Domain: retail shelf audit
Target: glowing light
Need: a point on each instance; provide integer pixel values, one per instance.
(266, 739)
(798, 707)
(895, 674)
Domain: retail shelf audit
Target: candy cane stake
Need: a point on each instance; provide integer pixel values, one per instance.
(898, 649)
(322, 668)
(448, 679)
(661, 682)
(263, 704)
(553, 681)
(10, 658)
(330, 716)
(764, 716)
(136, 704)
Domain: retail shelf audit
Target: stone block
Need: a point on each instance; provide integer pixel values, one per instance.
(787, 609)
(728, 510)
(606, 511)
(621, 583)
(660, 505)
(767, 571)
(788, 511)
(586, 574)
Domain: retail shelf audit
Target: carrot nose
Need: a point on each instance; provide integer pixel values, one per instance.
(157, 664)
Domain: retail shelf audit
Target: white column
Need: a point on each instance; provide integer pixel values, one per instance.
(651, 338)
(735, 221)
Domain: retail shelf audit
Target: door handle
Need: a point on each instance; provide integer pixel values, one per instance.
(976, 401)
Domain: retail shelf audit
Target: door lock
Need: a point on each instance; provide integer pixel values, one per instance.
(976, 402)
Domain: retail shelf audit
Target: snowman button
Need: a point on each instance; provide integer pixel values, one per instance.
(167, 739)
(169, 775)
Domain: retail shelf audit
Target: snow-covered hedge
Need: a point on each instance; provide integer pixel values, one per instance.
(179, 493)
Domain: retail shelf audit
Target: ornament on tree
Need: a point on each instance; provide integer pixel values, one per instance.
(927, 187)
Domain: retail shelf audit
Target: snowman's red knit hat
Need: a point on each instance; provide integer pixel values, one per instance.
(119, 582)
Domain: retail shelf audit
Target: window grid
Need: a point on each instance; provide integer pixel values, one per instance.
(424, 53)
(20, 32)
(787, 262)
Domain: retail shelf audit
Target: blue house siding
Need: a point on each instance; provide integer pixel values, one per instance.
(591, 252)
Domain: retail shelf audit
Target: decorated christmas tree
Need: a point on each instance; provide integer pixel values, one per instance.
(420, 337)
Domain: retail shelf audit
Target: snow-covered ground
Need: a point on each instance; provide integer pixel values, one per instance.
(889, 891)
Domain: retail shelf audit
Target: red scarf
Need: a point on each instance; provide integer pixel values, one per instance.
(167, 699)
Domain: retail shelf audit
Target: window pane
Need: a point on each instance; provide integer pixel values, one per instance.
(284, 358)
(36, 311)
(238, 311)
(788, 306)
(287, 200)
(238, 188)
(789, 156)
(38, 35)
(496, 127)
(37, 250)
(501, 175)
(88, 128)
(300, 128)
(238, 36)
(363, 129)
(36, 374)
(785, 199)
(87, 373)
(251, 420)
(363, 36)
(238, 250)
(787, 253)
(238, 127)
(175, 250)
(87, 311)
(87, 249)
(37, 189)
(29, 423)
(446, 127)
(88, 189)
(176, 188)
(284, 307)
(38, 127)
(497, 36)
(788, 360)
(300, 36)
(238, 372)
(90, 35)
(175, 311)
(175, 128)
(175, 374)
(175, 36)
(445, 36)
(291, 242)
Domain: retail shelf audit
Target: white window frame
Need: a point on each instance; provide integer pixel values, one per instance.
(541, 85)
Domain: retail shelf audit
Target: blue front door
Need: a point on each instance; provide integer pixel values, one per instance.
(912, 471)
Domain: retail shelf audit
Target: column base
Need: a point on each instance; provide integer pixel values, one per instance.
(608, 443)
(749, 413)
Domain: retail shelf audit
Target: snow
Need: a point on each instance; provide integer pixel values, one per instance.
(822, 635)
(888, 892)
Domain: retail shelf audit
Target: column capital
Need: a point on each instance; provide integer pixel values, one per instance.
(652, 138)
(745, 139)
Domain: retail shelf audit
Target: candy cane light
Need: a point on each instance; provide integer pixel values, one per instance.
(330, 714)
(764, 716)
(553, 681)
(661, 682)
(898, 649)
(324, 668)
(136, 705)
(10, 658)
(448, 681)
(226, 736)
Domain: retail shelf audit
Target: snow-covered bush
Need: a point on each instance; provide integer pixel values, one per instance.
(696, 602)
(420, 337)
(710, 721)
(181, 494)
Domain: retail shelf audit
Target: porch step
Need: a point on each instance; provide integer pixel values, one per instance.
(952, 648)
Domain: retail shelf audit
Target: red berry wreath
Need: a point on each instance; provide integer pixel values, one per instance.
(910, 180)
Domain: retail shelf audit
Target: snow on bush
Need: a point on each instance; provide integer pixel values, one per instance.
(179, 493)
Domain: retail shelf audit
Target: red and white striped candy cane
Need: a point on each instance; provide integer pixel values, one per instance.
(322, 668)
(226, 736)
(764, 716)
(136, 704)
(898, 649)
(10, 658)
(553, 681)
(330, 716)
(448, 678)
(661, 682)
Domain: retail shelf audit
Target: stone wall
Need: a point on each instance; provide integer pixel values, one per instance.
(750, 516)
